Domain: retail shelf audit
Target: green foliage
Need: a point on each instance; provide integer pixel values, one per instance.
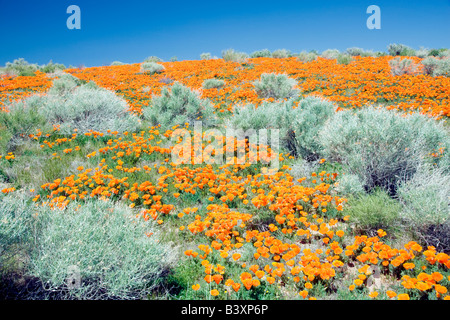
(425, 198)
(22, 120)
(213, 83)
(52, 67)
(178, 106)
(402, 66)
(355, 51)
(307, 56)
(107, 244)
(276, 86)
(64, 85)
(88, 108)
(312, 113)
(344, 59)
(16, 219)
(117, 63)
(21, 67)
(350, 184)
(380, 146)
(330, 54)
(152, 67)
(235, 56)
(153, 59)
(281, 53)
(265, 53)
(373, 211)
(205, 56)
(395, 49)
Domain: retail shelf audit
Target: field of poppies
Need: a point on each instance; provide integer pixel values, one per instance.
(93, 205)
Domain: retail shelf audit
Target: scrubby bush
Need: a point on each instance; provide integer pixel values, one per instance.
(213, 83)
(350, 184)
(344, 59)
(117, 63)
(177, 106)
(330, 54)
(87, 108)
(152, 67)
(429, 65)
(205, 56)
(281, 53)
(21, 67)
(426, 206)
(444, 53)
(276, 86)
(22, 119)
(173, 59)
(235, 56)
(354, 51)
(106, 244)
(265, 53)
(373, 211)
(268, 115)
(380, 146)
(306, 56)
(153, 59)
(443, 68)
(395, 49)
(16, 221)
(312, 113)
(52, 67)
(402, 66)
(422, 52)
(64, 85)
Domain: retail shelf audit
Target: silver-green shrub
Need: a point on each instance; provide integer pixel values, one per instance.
(281, 53)
(276, 86)
(426, 197)
(330, 54)
(153, 59)
(265, 53)
(205, 56)
(355, 51)
(402, 66)
(152, 67)
(349, 184)
(344, 59)
(88, 108)
(117, 63)
(306, 56)
(213, 83)
(106, 244)
(21, 67)
(429, 65)
(177, 106)
(382, 147)
(395, 49)
(443, 68)
(64, 85)
(308, 122)
(235, 56)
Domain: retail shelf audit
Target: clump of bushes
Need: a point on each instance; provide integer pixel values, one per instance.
(213, 83)
(177, 106)
(281, 53)
(395, 49)
(106, 244)
(152, 67)
(117, 63)
(52, 67)
(380, 146)
(21, 67)
(307, 56)
(426, 206)
(344, 59)
(403, 66)
(330, 54)
(311, 116)
(265, 53)
(276, 86)
(235, 56)
(153, 59)
(436, 67)
(355, 51)
(205, 56)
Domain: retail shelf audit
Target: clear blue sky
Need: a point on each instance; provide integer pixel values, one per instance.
(130, 30)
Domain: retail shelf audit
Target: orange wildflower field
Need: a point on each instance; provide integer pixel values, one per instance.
(237, 231)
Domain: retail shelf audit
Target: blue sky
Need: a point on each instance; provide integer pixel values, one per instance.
(130, 31)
